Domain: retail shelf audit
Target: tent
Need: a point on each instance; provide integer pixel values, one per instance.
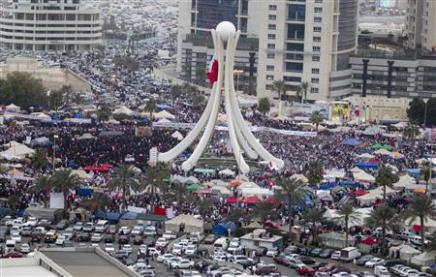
(351, 142)
(41, 116)
(400, 125)
(362, 176)
(222, 229)
(81, 174)
(373, 195)
(369, 241)
(191, 224)
(227, 172)
(334, 174)
(12, 108)
(232, 200)
(367, 165)
(86, 136)
(261, 192)
(300, 177)
(366, 156)
(18, 150)
(251, 200)
(404, 181)
(123, 110)
(407, 252)
(424, 259)
(194, 187)
(372, 131)
(383, 152)
(177, 135)
(164, 114)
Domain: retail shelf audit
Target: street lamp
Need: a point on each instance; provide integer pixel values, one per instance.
(425, 112)
(54, 152)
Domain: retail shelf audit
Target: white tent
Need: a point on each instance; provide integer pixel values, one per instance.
(335, 174)
(424, 259)
(407, 252)
(221, 190)
(164, 114)
(17, 151)
(191, 224)
(300, 177)
(363, 213)
(383, 152)
(11, 144)
(373, 195)
(362, 176)
(366, 156)
(261, 192)
(177, 135)
(400, 125)
(248, 185)
(86, 136)
(12, 108)
(123, 110)
(81, 174)
(404, 181)
(227, 172)
(41, 116)
(429, 225)
(163, 120)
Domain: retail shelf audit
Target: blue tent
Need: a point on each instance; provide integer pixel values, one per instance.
(108, 216)
(414, 172)
(129, 216)
(363, 165)
(84, 192)
(351, 141)
(222, 228)
(164, 107)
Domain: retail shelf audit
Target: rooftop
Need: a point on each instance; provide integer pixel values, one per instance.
(23, 267)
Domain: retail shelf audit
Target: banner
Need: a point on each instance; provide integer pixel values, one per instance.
(56, 200)
(135, 209)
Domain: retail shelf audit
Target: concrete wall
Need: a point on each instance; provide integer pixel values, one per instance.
(53, 78)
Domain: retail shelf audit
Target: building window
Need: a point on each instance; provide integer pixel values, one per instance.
(317, 29)
(316, 49)
(271, 36)
(271, 46)
(314, 90)
(272, 17)
(270, 56)
(272, 7)
(271, 26)
(317, 19)
(315, 80)
(318, 1)
(315, 58)
(316, 39)
(269, 87)
(270, 77)
(270, 68)
(318, 10)
(315, 70)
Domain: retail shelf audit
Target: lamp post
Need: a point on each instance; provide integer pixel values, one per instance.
(425, 112)
(54, 152)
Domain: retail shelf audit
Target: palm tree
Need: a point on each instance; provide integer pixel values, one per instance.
(279, 87)
(421, 207)
(426, 172)
(157, 177)
(42, 184)
(264, 210)
(39, 159)
(316, 118)
(150, 107)
(386, 178)
(293, 192)
(3, 170)
(302, 91)
(312, 218)
(385, 217)
(63, 181)
(411, 131)
(124, 179)
(346, 214)
(314, 172)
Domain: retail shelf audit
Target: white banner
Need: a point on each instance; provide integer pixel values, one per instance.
(56, 200)
(135, 209)
(172, 125)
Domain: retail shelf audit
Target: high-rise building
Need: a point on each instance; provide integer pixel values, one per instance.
(49, 25)
(421, 24)
(307, 42)
(195, 48)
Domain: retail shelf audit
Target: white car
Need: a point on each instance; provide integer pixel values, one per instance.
(336, 255)
(128, 248)
(124, 230)
(169, 235)
(272, 252)
(189, 273)
(31, 221)
(161, 242)
(109, 247)
(25, 248)
(16, 237)
(150, 231)
(78, 226)
(190, 249)
(68, 233)
(142, 249)
(153, 251)
(220, 257)
(137, 230)
(96, 237)
(183, 264)
(375, 261)
(60, 240)
(171, 262)
(177, 250)
(162, 258)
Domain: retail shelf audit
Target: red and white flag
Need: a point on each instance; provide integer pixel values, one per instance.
(212, 72)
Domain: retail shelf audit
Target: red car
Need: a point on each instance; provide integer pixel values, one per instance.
(13, 255)
(306, 271)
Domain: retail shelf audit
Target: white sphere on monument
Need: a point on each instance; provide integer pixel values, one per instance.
(225, 29)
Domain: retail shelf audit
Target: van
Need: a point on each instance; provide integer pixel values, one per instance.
(10, 243)
(101, 226)
(381, 271)
(349, 253)
(220, 244)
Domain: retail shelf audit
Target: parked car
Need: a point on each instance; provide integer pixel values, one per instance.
(305, 271)
(78, 226)
(363, 259)
(84, 237)
(112, 229)
(381, 271)
(96, 237)
(123, 239)
(61, 225)
(315, 252)
(88, 227)
(24, 248)
(124, 230)
(263, 269)
(326, 253)
(336, 255)
(137, 230)
(108, 238)
(209, 239)
(374, 262)
(137, 240)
